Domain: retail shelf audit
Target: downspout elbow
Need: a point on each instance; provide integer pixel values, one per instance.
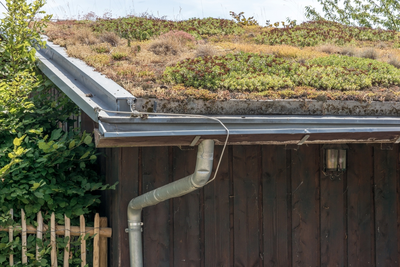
(204, 164)
(200, 177)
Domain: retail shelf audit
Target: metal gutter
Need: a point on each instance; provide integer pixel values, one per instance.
(120, 126)
(81, 83)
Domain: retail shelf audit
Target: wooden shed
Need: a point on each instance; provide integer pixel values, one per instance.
(273, 202)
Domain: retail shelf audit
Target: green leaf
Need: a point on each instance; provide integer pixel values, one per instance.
(87, 140)
(82, 165)
(38, 194)
(35, 186)
(85, 155)
(55, 134)
(71, 144)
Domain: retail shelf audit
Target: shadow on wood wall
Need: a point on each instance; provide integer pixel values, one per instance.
(267, 207)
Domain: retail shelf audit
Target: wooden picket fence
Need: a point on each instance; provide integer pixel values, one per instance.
(100, 231)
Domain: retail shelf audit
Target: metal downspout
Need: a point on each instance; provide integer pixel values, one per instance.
(198, 179)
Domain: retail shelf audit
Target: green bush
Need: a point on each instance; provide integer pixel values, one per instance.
(42, 167)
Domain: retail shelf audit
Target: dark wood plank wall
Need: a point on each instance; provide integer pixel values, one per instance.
(267, 207)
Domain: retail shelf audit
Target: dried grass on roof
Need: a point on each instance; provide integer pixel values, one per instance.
(138, 62)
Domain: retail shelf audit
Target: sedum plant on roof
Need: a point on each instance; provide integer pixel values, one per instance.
(228, 59)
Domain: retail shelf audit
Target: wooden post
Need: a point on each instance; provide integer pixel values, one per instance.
(83, 241)
(23, 223)
(39, 233)
(11, 237)
(67, 234)
(103, 245)
(53, 240)
(96, 240)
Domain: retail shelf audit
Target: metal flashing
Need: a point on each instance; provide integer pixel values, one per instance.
(81, 83)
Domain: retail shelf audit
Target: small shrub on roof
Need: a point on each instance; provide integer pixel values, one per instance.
(110, 37)
(328, 48)
(101, 48)
(119, 55)
(171, 43)
(370, 53)
(181, 36)
(205, 50)
(394, 60)
(348, 51)
(85, 36)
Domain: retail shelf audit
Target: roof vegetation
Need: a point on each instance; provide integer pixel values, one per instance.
(237, 59)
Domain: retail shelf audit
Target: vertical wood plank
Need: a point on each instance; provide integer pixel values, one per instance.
(113, 170)
(96, 239)
(128, 188)
(11, 237)
(246, 208)
(121, 167)
(23, 238)
(231, 208)
(276, 203)
(83, 241)
(39, 232)
(186, 214)
(156, 219)
(361, 241)
(398, 200)
(67, 235)
(333, 231)
(305, 206)
(216, 210)
(87, 124)
(103, 245)
(385, 179)
(171, 206)
(53, 240)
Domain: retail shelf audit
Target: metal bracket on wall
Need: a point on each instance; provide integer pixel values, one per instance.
(195, 140)
(303, 140)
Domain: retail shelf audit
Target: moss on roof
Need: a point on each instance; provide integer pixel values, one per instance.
(221, 59)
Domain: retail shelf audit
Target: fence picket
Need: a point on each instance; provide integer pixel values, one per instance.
(11, 237)
(96, 240)
(83, 241)
(39, 233)
(100, 231)
(67, 234)
(53, 240)
(23, 238)
(103, 244)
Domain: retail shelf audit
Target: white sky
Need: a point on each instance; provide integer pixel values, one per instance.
(262, 10)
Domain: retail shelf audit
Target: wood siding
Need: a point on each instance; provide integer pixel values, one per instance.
(267, 207)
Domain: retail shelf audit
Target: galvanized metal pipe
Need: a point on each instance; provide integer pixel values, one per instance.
(198, 179)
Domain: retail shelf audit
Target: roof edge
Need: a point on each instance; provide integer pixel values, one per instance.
(81, 83)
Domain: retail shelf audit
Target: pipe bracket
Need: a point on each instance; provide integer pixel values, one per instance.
(132, 224)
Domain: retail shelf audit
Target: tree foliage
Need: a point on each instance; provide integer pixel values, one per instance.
(365, 13)
(42, 167)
